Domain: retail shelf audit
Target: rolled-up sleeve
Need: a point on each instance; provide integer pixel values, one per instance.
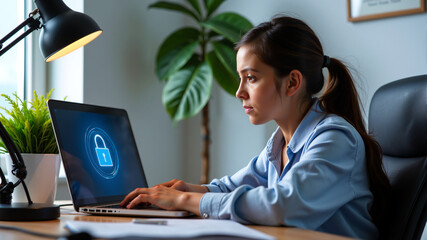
(221, 191)
(254, 174)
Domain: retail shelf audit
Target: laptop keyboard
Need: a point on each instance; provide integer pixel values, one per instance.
(141, 206)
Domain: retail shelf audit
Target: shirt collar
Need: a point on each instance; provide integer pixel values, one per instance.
(301, 135)
(306, 127)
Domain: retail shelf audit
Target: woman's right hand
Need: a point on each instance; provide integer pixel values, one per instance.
(184, 187)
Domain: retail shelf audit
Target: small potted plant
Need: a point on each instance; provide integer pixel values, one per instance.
(30, 128)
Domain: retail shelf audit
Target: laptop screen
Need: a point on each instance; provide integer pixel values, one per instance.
(98, 150)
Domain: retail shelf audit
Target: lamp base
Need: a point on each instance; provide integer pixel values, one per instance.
(28, 212)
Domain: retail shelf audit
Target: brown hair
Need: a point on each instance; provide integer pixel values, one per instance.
(287, 43)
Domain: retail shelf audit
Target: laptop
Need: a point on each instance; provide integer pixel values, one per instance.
(100, 158)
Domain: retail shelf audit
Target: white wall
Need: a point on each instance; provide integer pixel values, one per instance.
(119, 71)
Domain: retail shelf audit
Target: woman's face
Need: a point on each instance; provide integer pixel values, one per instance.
(257, 89)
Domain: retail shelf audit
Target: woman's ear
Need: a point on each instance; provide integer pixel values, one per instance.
(294, 83)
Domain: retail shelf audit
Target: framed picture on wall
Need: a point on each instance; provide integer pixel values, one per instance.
(361, 10)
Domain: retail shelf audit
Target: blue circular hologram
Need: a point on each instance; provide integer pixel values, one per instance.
(109, 171)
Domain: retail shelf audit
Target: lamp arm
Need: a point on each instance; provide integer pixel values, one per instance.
(19, 169)
(33, 24)
(3, 179)
(12, 149)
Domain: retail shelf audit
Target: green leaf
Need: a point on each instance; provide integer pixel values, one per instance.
(226, 55)
(212, 34)
(175, 51)
(196, 6)
(175, 60)
(226, 79)
(174, 7)
(187, 91)
(29, 125)
(230, 25)
(180, 37)
(212, 5)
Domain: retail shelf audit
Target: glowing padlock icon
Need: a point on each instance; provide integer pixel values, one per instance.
(103, 154)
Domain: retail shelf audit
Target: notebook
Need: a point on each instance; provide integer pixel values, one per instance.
(100, 158)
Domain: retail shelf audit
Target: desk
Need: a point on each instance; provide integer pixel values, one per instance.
(67, 214)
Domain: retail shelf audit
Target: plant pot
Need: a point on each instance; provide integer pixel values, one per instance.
(41, 180)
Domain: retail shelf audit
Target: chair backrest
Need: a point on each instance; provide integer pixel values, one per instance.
(398, 121)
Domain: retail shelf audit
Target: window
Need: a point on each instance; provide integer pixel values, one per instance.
(12, 63)
(12, 67)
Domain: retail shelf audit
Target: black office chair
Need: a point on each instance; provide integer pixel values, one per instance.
(398, 121)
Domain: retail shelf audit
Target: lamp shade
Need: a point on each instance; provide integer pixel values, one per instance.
(63, 30)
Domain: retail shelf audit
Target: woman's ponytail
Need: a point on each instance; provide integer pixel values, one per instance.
(340, 97)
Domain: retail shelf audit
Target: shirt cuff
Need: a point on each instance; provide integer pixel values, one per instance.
(213, 188)
(210, 205)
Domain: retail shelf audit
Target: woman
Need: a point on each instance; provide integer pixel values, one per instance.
(320, 170)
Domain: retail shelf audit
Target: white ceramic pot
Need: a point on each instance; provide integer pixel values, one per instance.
(41, 180)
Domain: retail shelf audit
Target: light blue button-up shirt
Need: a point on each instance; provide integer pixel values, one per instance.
(323, 187)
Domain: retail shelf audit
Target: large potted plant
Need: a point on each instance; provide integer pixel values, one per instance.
(30, 128)
(191, 58)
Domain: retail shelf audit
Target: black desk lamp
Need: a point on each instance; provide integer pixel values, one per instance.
(63, 31)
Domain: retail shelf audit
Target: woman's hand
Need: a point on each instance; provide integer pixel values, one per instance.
(183, 186)
(164, 197)
(160, 196)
